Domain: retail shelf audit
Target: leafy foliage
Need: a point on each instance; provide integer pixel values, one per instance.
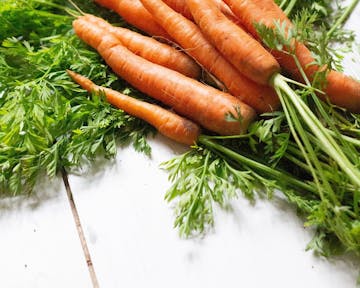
(281, 152)
(46, 121)
(200, 180)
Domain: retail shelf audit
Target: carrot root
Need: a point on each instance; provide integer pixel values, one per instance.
(149, 48)
(203, 104)
(167, 123)
(188, 35)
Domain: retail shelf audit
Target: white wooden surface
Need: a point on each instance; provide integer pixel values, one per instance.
(39, 246)
(128, 227)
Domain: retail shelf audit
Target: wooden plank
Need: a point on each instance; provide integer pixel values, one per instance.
(39, 246)
(133, 243)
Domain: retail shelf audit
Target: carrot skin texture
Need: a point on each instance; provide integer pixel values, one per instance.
(340, 89)
(133, 12)
(203, 104)
(257, 11)
(188, 35)
(167, 123)
(181, 7)
(149, 48)
(243, 51)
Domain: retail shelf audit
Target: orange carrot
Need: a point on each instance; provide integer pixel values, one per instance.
(188, 35)
(341, 90)
(149, 48)
(250, 12)
(181, 7)
(167, 123)
(190, 98)
(135, 14)
(243, 51)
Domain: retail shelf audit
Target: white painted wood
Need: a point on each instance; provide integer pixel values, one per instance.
(39, 246)
(133, 244)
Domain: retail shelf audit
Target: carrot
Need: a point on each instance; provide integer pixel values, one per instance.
(257, 11)
(133, 12)
(149, 48)
(181, 7)
(243, 51)
(167, 123)
(340, 89)
(203, 104)
(188, 35)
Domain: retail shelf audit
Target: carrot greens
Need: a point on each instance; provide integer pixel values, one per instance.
(307, 151)
(309, 140)
(46, 122)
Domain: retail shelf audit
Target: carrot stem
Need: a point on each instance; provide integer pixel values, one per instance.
(303, 142)
(76, 7)
(274, 173)
(329, 144)
(282, 4)
(290, 7)
(343, 18)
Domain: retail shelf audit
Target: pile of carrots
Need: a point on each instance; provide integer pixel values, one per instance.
(187, 38)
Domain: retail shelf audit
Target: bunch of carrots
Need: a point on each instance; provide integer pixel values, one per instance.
(186, 41)
(218, 37)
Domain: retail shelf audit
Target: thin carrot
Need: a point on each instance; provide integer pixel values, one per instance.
(203, 104)
(341, 90)
(133, 12)
(243, 51)
(167, 123)
(149, 48)
(188, 35)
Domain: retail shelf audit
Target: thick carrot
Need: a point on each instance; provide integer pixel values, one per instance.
(181, 7)
(250, 12)
(133, 12)
(190, 98)
(149, 48)
(167, 123)
(340, 89)
(188, 35)
(243, 51)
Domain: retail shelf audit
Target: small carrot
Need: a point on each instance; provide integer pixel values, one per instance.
(167, 123)
(149, 48)
(243, 51)
(133, 12)
(188, 35)
(341, 90)
(203, 104)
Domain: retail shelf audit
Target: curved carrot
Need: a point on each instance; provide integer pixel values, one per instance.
(200, 103)
(167, 123)
(243, 51)
(341, 90)
(149, 48)
(135, 14)
(188, 35)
